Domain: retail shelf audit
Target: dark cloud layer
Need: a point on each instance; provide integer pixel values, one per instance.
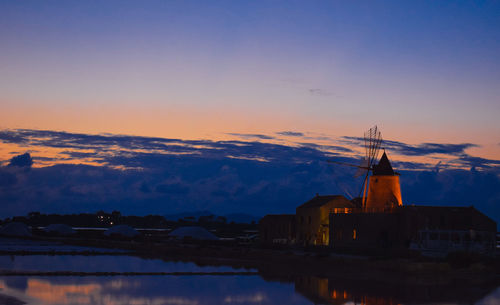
(456, 150)
(167, 176)
(417, 150)
(23, 160)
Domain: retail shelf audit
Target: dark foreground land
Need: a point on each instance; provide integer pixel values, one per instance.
(290, 262)
(319, 275)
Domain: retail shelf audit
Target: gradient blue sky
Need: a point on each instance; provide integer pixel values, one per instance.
(423, 70)
(235, 106)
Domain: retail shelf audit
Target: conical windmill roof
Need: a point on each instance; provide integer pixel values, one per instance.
(383, 168)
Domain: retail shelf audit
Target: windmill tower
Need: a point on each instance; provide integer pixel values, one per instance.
(381, 190)
(384, 191)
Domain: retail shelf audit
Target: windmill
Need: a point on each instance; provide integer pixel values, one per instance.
(372, 143)
(373, 140)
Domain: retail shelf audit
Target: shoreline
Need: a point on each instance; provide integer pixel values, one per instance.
(284, 262)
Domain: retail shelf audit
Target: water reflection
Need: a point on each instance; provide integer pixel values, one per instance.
(321, 290)
(151, 290)
(209, 289)
(100, 263)
(194, 290)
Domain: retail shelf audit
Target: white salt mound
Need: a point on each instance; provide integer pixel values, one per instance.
(122, 230)
(15, 229)
(59, 228)
(193, 232)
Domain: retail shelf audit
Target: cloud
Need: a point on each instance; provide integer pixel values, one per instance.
(78, 154)
(173, 188)
(327, 147)
(8, 136)
(139, 152)
(476, 162)
(143, 175)
(319, 92)
(23, 160)
(416, 150)
(249, 136)
(290, 133)
(7, 179)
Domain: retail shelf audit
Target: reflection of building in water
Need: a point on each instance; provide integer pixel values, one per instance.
(324, 291)
(321, 290)
(317, 290)
(381, 221)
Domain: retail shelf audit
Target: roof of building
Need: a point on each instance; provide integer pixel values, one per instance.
(469, 214)
(318, 201)
(438, 208)
(383, 168)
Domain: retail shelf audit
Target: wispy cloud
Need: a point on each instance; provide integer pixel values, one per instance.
(319, 92)
(291, 133)
(416, 150)
(250, 136)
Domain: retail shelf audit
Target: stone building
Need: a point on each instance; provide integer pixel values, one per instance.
(312, 218)
(428, 229)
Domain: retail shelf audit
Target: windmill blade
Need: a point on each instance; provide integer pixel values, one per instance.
(362, 168)
(347, 164)
(373, 140)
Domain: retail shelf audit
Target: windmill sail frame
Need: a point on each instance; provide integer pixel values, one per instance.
(373, 141)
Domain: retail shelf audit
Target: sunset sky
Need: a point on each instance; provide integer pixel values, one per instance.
(426, 72)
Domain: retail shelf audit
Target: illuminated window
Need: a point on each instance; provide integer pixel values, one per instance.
(354, 234)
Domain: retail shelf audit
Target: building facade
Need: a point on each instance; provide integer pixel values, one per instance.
(312, 218)
(427, 229)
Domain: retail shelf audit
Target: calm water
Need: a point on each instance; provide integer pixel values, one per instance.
(100, 263)
(208, 289)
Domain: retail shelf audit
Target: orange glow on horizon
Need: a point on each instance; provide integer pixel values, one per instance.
(194, 123)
